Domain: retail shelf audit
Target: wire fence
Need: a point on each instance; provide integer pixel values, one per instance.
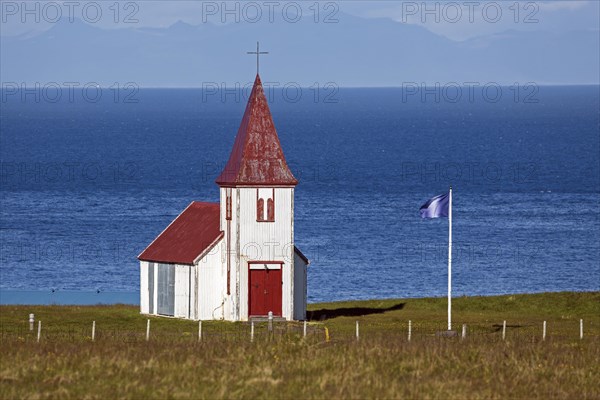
(314, 332)
(211, 332)
(526, 331)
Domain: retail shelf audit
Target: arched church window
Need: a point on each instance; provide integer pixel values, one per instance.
(265, 205)
(270, 210)
(260, 210)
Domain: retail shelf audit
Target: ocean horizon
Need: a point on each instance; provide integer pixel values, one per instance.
(86, 185)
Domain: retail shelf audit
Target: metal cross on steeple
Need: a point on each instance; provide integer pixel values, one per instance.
(258, 53)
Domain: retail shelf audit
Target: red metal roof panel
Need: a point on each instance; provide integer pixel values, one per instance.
(195, 230)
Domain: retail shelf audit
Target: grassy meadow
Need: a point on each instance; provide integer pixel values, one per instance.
(383, 363)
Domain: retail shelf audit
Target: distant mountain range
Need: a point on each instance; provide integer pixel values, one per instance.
(353, 52)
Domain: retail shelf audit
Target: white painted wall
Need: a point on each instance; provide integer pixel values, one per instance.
(144, 295)
(266, 241)
(201, 290)
(211, 284)
(182, 286)
(194, 293)
(148, 300)
(230, 305)
(155, 289)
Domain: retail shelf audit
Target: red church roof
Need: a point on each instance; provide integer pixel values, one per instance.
(257, 158)
(195, 231)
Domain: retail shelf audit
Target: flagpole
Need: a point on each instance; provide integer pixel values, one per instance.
(450, 261)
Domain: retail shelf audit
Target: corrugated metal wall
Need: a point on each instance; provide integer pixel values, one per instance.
(166, 289)
(300, 268)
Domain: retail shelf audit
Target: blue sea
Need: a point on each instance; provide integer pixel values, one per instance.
(86, 185)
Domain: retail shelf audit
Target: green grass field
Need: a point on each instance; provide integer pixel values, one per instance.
(120, 363)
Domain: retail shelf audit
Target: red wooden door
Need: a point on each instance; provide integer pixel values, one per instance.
(265, 291)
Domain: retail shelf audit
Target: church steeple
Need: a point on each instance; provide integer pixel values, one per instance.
(257, 158)
(242, 248)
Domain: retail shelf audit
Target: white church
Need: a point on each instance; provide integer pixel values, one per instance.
(235, 259)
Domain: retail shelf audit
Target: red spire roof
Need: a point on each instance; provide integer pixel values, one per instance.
(257, 158)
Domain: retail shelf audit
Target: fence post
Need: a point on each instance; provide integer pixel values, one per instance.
(270, 321)
(39, 330)
(148, 330)
(252, 331)
(326, 334)
(464, 331)
(581, 329)
(409, 329)
(357, 332)
(31, 321)
(304, 330)
(199, 330)
(504, 330)
(544, 331)
(93, 331)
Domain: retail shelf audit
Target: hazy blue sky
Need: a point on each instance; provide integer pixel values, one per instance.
(474, 18)
(352, 43)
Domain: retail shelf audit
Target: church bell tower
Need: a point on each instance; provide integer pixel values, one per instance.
(257, 218)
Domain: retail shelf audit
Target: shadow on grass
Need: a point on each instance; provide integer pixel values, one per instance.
(323, 314)
(498, 327)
